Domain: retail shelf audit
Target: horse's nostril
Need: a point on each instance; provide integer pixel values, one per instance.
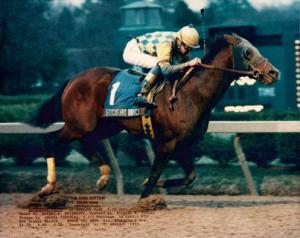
(274, 73)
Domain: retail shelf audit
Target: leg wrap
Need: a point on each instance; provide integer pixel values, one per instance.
(104, 169)
(51, 178)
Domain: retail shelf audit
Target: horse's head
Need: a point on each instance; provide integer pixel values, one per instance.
(247, 57)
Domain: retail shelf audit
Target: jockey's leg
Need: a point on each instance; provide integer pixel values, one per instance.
(134, 56)
(148, 83)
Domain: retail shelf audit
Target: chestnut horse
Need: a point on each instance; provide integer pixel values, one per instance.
(80, 104)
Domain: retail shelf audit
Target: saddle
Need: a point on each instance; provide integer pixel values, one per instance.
(123, 91)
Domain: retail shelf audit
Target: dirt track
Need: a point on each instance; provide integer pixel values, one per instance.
(186, 216)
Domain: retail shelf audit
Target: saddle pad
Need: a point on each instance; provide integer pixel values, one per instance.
(121, 94)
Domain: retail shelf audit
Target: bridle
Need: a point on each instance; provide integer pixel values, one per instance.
(257, 72)
(254, 72)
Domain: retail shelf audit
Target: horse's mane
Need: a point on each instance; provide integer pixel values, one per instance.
(214, 47)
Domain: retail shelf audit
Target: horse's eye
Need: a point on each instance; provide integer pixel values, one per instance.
(248, 54)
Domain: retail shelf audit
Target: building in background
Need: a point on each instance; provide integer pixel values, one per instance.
(138, 18)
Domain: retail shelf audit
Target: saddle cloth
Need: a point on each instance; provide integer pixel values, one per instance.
(121, 95)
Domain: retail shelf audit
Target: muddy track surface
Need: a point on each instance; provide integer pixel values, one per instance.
(108, 215)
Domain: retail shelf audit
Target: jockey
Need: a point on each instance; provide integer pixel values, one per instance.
(165, 52)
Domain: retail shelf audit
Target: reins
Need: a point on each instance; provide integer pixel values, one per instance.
(255, 73)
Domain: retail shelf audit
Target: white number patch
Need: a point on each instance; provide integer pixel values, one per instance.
(113, 91)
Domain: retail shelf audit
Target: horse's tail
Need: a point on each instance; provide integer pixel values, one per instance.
(50, 111)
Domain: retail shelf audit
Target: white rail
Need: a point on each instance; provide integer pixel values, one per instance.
(214, 126)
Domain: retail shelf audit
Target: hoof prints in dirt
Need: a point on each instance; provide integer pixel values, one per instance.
(57, 199)
(151, 203)
(220, 204)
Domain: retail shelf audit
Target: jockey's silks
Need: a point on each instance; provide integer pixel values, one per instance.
(162, 45)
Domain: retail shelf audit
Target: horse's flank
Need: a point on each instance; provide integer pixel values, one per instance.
(83, 98)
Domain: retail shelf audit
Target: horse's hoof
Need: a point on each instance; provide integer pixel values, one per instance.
(102, 182)
(160, 183)
(151, 203)
(145, 181)
(46, 190)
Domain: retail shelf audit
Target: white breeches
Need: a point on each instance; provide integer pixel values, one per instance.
(133, 55)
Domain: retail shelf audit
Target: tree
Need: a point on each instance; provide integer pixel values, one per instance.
(31, 48)
(66, 26)
(103, 18)
(259, 148)
(185, 16)
(275, 14)
(220, 11)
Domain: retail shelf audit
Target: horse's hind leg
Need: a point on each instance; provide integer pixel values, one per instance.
(94, 150)
(104, 171)
(51, 141)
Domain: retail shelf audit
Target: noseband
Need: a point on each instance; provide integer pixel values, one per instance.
(258, 72)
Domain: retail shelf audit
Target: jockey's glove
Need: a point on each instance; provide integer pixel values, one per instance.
(194, 62)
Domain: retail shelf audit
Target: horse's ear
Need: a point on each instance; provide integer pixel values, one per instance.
(235, 35)
(232, 39)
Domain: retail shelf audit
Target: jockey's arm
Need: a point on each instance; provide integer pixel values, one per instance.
(167, 68)
(164, 54)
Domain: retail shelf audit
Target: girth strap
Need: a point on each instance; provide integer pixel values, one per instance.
(146, 118)
(147, 126)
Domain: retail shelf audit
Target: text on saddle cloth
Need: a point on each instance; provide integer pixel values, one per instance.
(122, 94)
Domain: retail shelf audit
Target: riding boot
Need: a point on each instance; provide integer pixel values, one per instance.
(148, 83)
(141, 99)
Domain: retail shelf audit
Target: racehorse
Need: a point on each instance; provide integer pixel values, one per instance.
(80, 103)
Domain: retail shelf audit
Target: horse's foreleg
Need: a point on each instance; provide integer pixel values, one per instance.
(184, 156)
(178, 182)
(163, 152)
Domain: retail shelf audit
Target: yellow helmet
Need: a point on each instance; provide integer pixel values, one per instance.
(189, 36)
